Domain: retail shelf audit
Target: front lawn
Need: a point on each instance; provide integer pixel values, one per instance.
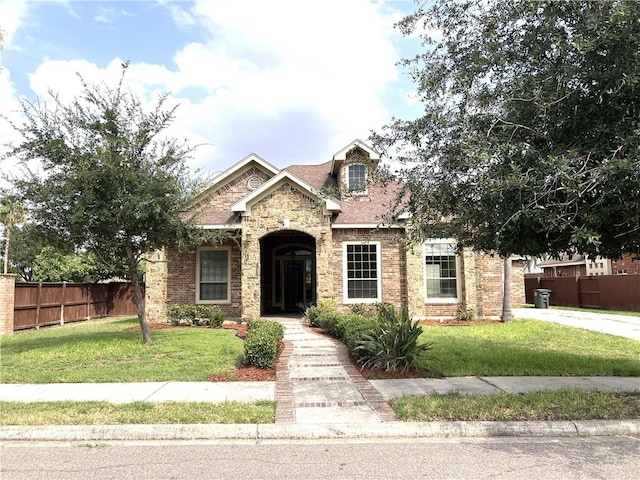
(529, 347)
(103, 351)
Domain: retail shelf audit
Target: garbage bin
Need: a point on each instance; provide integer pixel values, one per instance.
(541, 297)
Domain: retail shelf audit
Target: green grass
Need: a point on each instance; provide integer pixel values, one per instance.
(546, 405)
(103, 413)
(102, 351)
(529, 347)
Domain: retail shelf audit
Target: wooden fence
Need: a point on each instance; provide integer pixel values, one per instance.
(42, 304)
(606, 292)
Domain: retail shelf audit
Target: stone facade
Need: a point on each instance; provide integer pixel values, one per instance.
(266, 210)
(285, 208)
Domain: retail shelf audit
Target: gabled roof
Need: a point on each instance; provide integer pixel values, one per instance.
(341, 155)
(565, 260)
(252, 158)
(244, 204)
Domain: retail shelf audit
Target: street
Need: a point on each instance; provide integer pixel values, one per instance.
(478, 458)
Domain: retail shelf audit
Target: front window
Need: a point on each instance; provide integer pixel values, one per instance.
(213, 276)
(362, 272)
(356, 181)
(441, 272)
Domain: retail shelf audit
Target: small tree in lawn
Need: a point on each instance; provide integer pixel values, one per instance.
(109, 183)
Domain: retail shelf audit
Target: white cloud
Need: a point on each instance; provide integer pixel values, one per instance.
(291, 81)
(12, 14)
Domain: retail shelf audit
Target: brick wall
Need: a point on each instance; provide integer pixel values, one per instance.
(393, 266)
(7, 295)
(181, 279)
(629, 263)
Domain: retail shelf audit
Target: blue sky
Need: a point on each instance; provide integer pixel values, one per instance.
(293, 81)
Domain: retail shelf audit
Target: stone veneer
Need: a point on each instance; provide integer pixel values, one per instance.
(285, 208)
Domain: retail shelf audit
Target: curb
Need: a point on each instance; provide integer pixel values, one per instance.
(582, 428)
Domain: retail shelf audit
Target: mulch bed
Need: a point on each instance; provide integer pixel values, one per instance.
(452, 322)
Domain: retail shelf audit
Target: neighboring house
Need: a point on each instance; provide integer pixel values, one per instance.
(629, 264)
(572, 266)
(308, 232)
(580, 265)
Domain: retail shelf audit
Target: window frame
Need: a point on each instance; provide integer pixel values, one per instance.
(227, 300)
(364, 186)
(345, 273)
(458, 277)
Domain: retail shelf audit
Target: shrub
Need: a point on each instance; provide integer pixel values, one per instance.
(262, 343)
(466, 314)
(393, 344)
(311, 315)
(195, 315)
(352, 329)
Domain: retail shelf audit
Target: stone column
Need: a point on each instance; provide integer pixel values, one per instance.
(7, 298)
(250, 274)
(155, 302)
(415, 282)
(324, 271)
(470, 281)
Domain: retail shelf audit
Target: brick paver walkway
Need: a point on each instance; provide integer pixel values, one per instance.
(317, 383)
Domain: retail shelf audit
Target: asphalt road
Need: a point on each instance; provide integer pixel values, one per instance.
(479, 458)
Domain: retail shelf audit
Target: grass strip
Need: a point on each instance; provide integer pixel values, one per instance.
(104, 413)
(543, 405)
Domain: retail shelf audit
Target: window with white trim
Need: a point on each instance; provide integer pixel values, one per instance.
(212, 275)
(357, 178)
(441, 272)
(361, 272)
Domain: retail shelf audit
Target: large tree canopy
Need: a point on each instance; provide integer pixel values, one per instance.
(530, 138)
(104, 179)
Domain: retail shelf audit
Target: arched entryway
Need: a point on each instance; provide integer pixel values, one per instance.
(288, 271)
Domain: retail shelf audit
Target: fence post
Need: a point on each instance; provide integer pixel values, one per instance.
(88, 290)
(7, 299)
(39, 301)
(62, 300)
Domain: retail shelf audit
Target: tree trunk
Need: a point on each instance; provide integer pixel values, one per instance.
(133, 277)
(507, 313)
(6, 249)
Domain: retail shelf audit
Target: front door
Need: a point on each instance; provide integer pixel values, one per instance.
(293, 284)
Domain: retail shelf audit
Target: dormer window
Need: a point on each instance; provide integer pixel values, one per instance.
(356, 179)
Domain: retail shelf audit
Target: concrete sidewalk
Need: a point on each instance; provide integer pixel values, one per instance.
(255, 391)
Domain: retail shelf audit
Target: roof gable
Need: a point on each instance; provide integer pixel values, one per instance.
(244, 204)
(251, 160)
(341, 155)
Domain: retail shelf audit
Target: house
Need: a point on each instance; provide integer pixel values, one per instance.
(307, 232)
(575, 265)
(629, 264)
(579, 265)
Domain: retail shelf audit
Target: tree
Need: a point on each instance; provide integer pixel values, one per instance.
(12, 212)
(110, 184)
(529, 139)
(27, 242)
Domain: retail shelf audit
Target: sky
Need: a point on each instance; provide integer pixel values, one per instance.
(293, 81)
